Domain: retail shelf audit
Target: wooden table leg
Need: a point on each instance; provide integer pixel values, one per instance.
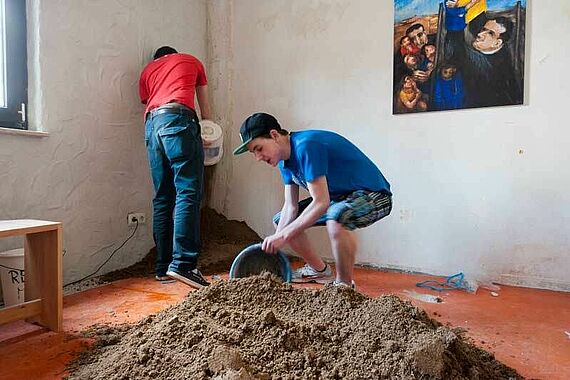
(44, 275)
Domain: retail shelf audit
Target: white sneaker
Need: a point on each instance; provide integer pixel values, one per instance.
(308, 274)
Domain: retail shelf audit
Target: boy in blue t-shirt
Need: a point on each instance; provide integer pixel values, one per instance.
(347, 192)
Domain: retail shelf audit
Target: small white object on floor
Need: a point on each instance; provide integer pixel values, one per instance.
(567, 333)
(423, 297)
(494, 294)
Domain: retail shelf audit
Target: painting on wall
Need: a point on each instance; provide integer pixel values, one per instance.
(456, 54)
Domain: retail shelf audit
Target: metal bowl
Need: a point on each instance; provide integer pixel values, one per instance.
(253, 261)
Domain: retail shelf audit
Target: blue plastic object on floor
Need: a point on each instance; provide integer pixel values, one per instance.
(455, 282)
(253, 261)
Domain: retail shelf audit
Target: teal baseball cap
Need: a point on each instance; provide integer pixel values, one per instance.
(254, 126)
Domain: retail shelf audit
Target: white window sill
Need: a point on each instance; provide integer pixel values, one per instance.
(22, 132)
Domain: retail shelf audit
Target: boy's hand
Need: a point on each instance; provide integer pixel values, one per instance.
(273, 243)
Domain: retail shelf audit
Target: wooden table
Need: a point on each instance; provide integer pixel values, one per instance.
(43, 259)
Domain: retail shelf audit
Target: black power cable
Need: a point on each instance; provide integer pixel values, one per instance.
(109, 258)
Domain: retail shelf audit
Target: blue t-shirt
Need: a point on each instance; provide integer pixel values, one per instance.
(317, 153)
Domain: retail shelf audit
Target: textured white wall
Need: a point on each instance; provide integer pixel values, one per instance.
(220, 86)
(85, 61)
(484, 191)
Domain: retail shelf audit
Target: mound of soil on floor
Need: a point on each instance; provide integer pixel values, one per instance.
(259, 328)
(222, 240)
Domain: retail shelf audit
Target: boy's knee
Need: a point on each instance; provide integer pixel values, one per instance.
(335, 229)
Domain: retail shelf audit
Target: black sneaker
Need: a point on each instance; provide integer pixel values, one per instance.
(190, 277)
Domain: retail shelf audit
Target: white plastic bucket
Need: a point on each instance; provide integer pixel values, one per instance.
(213, 138)
(12, 276)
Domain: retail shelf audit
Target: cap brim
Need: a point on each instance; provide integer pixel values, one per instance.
(242, 148)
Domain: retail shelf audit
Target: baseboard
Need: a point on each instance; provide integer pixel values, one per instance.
(534, 282)
(395, 268)
(503, 279)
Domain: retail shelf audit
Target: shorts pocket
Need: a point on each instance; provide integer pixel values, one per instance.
(361, 211)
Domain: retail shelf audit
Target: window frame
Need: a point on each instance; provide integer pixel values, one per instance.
(13, 115)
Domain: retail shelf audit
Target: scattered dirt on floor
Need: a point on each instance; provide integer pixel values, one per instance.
(259, 328)
(222, 241)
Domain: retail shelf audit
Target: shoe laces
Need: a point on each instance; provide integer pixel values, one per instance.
(197, 272)
(306, 270)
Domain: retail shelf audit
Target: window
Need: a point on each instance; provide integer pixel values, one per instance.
(13, 64)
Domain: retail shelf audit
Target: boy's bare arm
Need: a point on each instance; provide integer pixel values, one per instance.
(319, 205)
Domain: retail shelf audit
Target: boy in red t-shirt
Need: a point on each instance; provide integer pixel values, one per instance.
(168, 86)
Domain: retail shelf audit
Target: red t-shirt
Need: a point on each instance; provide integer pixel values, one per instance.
(171, 78)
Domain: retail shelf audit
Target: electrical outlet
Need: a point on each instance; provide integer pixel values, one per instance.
(135, 217)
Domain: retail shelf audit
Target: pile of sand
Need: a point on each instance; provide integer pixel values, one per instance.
(259, 328)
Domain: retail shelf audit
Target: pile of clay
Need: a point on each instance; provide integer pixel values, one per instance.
(260, 328)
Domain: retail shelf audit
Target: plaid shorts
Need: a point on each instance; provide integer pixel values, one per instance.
(356, 210)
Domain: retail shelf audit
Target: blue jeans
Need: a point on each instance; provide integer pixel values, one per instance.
(176, 160)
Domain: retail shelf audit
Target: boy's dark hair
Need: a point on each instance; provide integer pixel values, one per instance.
(164, 50)
(402, 39)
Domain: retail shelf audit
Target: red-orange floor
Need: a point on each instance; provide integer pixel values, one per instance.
(525, 328)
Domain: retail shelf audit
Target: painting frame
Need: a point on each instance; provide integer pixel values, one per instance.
(458, 54)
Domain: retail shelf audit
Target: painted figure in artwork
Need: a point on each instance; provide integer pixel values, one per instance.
(411, 98)
(448, 92)
(458, 54)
